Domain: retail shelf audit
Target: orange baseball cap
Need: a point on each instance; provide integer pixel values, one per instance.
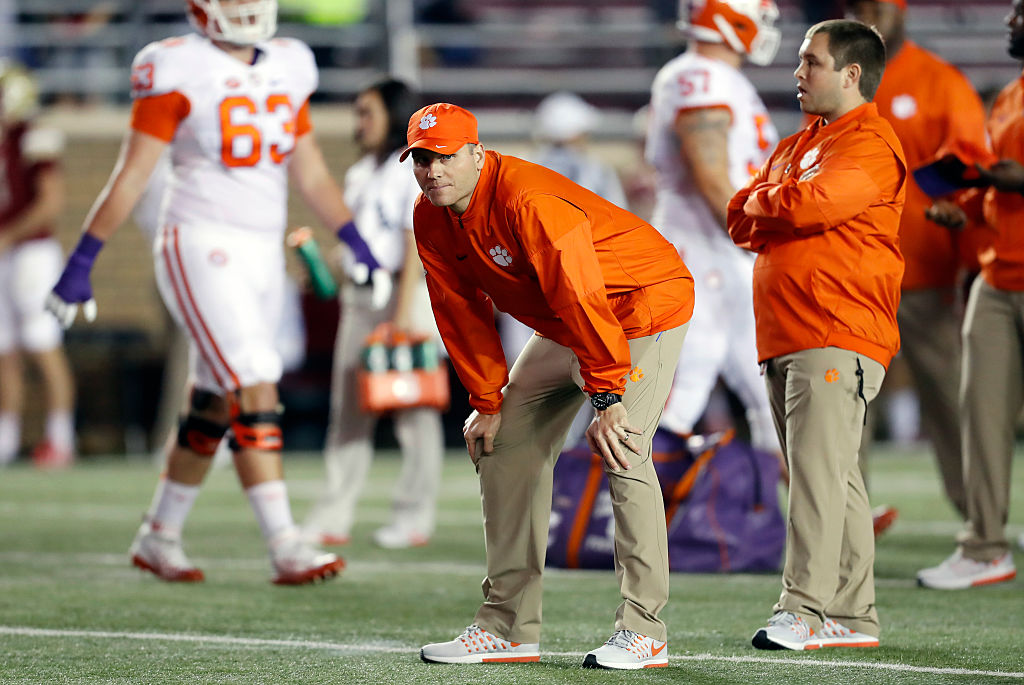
(441, 127)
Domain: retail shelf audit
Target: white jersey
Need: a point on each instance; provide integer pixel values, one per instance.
(691, 81)
(233, 124)
(381, 197)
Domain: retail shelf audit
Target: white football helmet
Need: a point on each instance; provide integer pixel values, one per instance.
(19, 96)
(747, 26)
(239, 22)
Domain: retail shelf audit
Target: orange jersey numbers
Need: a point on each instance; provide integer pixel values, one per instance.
(693, 81)
(279, 152)
(242, 140)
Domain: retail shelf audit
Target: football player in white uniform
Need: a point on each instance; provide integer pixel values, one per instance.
(31, 197)
(233, 106)
(708, 133)
(381, 191)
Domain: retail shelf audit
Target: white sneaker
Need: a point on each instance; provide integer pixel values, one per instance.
(628, 650)
(478, 646)
(785, 630)
(296, 562)
(835, 634)
(162, 555)
(399, 536)
(959, 573)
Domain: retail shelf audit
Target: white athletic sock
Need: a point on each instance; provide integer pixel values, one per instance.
(172, 503)
(60, 430)
(10, 436)
(269, 502)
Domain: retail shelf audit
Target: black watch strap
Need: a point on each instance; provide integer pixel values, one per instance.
(603, 400)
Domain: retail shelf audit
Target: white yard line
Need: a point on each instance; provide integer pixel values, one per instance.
(372, 648)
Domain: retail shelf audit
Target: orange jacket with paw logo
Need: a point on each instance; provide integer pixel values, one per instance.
(573, 266)
(823, 215)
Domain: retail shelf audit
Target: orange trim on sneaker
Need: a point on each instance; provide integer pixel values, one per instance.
(998, 579)
(509, 659)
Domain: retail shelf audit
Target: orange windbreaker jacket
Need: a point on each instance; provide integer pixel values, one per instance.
(1002, 226)
(930, 106)
(564, 261)
(823, 215)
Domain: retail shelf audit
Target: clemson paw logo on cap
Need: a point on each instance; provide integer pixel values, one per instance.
(501, 256)
(428, 121)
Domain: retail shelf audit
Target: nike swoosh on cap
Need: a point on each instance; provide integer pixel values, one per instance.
(440, 146)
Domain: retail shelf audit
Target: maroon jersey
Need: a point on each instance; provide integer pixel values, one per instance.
(24, 153)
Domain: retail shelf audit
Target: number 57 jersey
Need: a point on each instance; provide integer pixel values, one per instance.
(693, 82)
(231, 126)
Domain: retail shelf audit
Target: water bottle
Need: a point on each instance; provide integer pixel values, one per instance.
(401, 353)
(424, 355)
(320, 277)
(375, 355)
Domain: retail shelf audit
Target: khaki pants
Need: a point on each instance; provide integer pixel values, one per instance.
(992, 390)
(540, 401)
(930, 341)
(818, 400)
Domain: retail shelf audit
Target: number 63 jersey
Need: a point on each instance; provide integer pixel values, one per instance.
(231, 127)
(692, 82)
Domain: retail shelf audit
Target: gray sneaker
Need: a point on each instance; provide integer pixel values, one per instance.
(786, 630)
(479, 646)
(628, 650)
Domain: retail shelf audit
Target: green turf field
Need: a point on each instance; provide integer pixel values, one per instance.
(72, 609)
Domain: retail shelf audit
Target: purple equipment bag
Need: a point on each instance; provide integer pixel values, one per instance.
(721, 506)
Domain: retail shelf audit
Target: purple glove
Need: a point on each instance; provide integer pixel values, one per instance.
(73, 286)
(365, 260)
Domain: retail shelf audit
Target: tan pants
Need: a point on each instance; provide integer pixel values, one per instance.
(540, 401)
(818, 400)
(930, 342)
(992, 390)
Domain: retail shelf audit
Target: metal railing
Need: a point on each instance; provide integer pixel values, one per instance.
(510, 56)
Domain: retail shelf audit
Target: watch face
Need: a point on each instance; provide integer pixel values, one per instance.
(603, 400)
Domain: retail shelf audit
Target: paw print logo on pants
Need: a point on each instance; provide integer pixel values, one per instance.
(831, 376)
(501, 256)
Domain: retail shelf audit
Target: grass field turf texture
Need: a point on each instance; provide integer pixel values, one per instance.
(72, 609)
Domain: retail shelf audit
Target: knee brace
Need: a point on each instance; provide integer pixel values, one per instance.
(200, 435)
(259, 430)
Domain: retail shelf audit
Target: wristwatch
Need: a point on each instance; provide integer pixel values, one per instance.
(603, 400)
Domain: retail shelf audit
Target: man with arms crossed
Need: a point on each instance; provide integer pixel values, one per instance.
(991, 386)
(610, 299)
(823, 215)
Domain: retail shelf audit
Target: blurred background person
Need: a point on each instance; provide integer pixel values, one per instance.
(992, 384)
(232, 107)
(381, 192)
(562, 124)
(709, 132)
(931, 106)
(32, 196)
